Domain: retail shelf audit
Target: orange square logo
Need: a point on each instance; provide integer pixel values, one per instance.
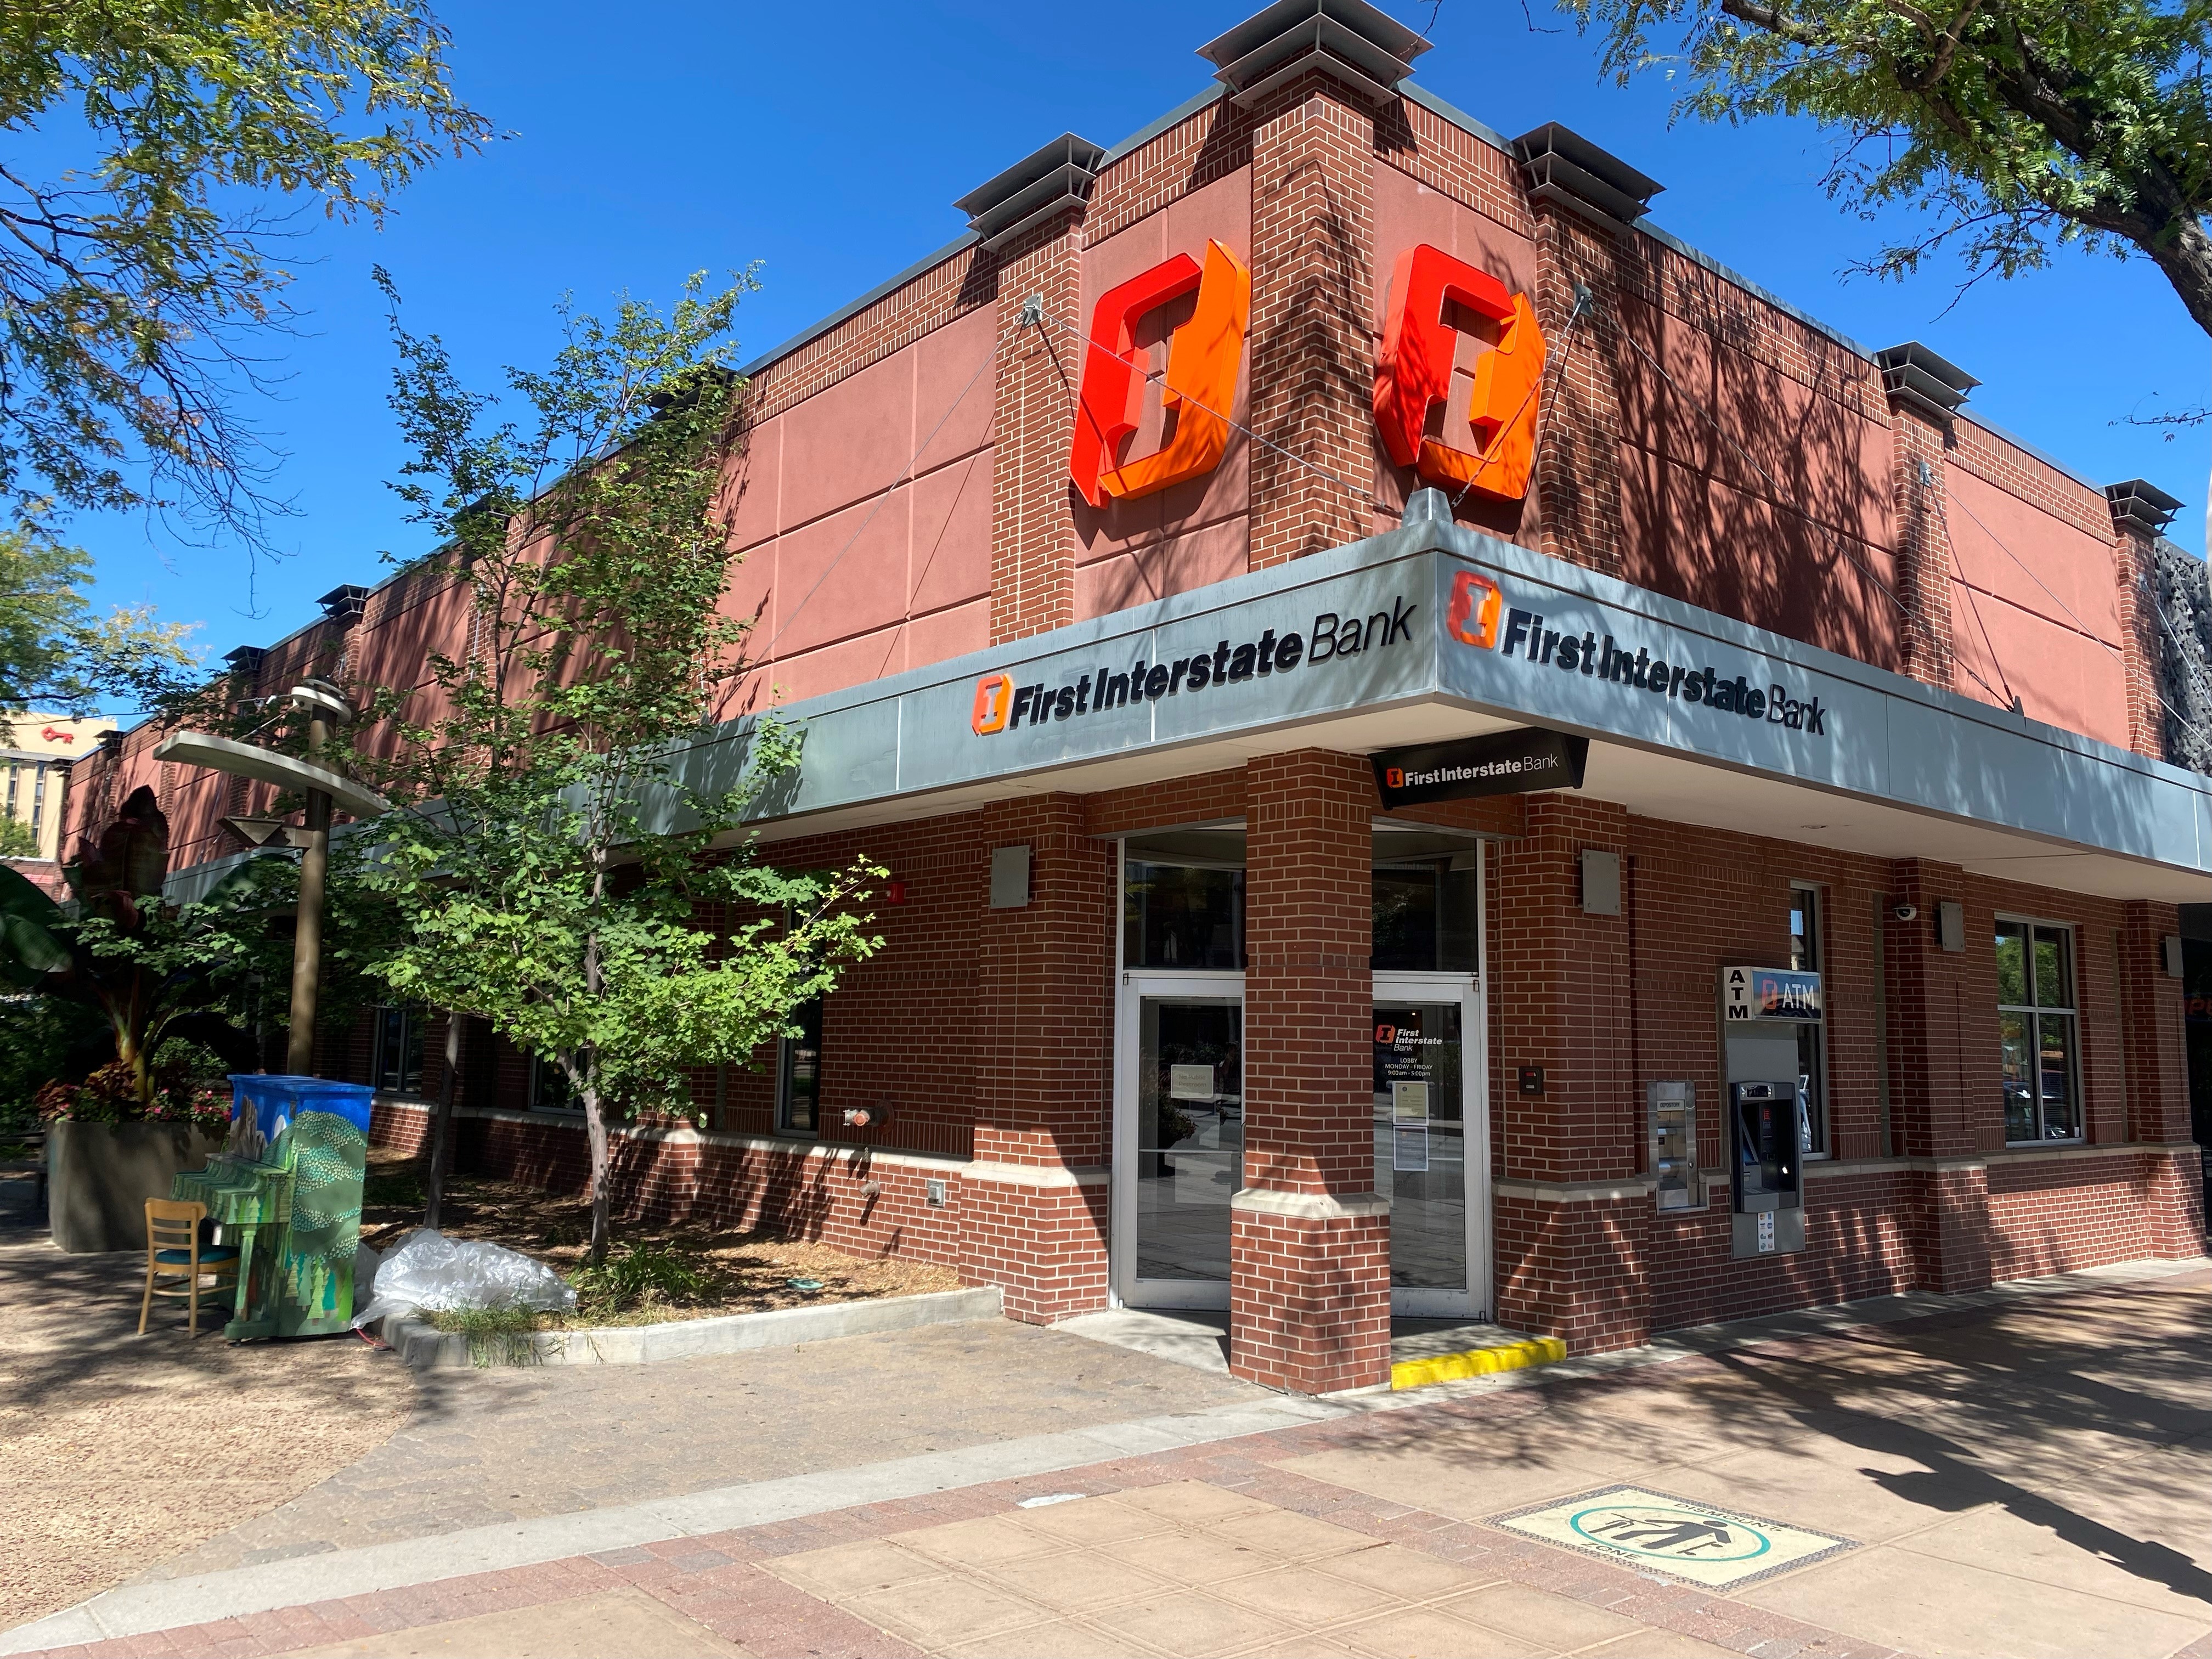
(994, 692)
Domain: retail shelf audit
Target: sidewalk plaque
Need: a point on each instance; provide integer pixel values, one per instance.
(1651, 1532)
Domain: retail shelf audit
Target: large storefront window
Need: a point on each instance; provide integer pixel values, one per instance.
(1427, 917)
(1806, 947)
(1182, 917)
(2038, 1033)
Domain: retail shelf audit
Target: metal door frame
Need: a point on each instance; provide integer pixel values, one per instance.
(1189, 984)
(1466, 989)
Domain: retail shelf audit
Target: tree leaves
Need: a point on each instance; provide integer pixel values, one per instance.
(131, 286)
(2013, 125)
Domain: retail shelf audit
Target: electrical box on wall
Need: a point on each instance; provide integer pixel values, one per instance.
(1601, 883)
(1673, 1141)
(1951, 926)
(1010, 878)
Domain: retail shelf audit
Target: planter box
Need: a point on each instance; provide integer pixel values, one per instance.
(99, 1176)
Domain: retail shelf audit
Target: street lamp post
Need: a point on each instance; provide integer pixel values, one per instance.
(326, 707)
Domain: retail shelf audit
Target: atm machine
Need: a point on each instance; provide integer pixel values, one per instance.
(1761, 1009)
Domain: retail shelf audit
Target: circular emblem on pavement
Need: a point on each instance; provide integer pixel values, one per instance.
(1669, 1533)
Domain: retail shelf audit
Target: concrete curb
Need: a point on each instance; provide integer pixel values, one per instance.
(425, 1348)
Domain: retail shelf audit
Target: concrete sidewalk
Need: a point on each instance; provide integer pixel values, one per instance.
(2021, 1472)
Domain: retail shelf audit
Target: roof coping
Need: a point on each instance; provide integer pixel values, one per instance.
(1366, 49)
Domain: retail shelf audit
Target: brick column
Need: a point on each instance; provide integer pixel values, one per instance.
(2134, 576)
(1923, 545)
(1312, 345)
(1032, 520)
(1943, 1079)
(1035, 1198)
(1578, 474)
(2152, 1035)
(1572, 1209)
(1310, 1240)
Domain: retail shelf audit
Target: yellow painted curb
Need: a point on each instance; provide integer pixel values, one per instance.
(1477, 1362)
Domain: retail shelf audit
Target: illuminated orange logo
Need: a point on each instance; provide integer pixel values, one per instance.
(994, 692)
(1473, 618)
(1492, 455)
(1205, 355)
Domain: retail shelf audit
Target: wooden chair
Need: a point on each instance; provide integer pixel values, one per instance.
(175, 1254)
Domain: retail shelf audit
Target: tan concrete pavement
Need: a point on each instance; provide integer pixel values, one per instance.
(2026, 1478)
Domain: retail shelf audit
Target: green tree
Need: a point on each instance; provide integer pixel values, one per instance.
(140, 251)
(155, 973)
(563, 870)
(2013, 124)
(57, 654)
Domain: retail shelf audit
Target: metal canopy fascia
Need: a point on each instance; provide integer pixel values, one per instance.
(1905, 770)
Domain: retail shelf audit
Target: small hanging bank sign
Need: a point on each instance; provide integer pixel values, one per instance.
(1749, 993)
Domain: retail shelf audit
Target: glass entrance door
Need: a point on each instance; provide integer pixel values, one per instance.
(1180, 1134)
(1431, 1155)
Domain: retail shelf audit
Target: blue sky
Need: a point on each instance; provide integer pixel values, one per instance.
(656, 138)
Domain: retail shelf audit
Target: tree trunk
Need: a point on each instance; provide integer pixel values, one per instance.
(441, 1126)
(2186, 260)
(596, 1136)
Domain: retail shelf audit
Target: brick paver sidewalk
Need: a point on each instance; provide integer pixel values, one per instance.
(2026, 1478)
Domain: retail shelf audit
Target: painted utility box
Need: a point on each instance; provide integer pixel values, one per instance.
(288, 1184)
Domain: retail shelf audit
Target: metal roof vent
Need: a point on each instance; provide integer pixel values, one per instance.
(1563, 166)
(1048, 181)
(2142, 504)
(344, 604)
(246, 659)
(1916, 377)
(1368, 51)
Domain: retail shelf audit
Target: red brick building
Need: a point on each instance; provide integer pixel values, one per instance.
(1863, 695)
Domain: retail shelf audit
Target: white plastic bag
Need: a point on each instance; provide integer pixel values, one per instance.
(442, 1274)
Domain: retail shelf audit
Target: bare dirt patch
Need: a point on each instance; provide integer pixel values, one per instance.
(121, 1450)
(732, 1271)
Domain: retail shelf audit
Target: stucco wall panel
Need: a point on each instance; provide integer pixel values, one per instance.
(1699, 540)
(847, 442)
(750, 484)
(949, 559)
(953, 413)
(952, 633)
(2059, 675)
(1154, 571)
(2032, 559)
(1408, 213)
(843, 574)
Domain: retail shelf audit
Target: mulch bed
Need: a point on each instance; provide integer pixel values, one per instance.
(745, 1272)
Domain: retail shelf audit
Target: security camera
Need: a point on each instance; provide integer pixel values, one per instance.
(1905, 912)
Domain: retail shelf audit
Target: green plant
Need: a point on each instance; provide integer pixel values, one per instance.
(17, 839)
(502, 1335)
(157, 974)
(563, 867)
(638, 1276)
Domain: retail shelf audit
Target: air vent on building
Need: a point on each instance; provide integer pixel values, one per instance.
(1562, 165)
(1051, 180)
(1366, 50)
(1916, 377)
(344, 605)
(246, 660)
(2142, 504)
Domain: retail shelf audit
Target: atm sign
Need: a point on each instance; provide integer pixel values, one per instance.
(1749, 994)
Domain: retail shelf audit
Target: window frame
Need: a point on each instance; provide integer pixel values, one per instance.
(1826, 1148)
(542, 1067)
(2036, 1012)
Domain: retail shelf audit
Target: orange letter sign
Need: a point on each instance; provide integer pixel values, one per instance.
(1413, 371)
(1204, 356)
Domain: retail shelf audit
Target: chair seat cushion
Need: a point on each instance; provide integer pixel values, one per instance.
(209, 1256)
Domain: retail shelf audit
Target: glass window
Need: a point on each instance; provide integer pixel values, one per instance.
(1805, 945)
(799, 1093)
(1426, 918)
(549, 1085)
(1182, 916)
(2039, 1033)
(398, 1068)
